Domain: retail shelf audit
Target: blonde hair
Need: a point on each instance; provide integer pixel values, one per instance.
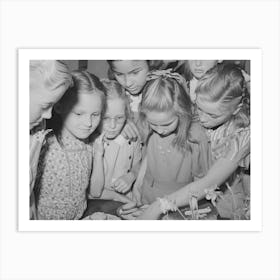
(165, 94)
(52, 71)
(115, 91)
(225, 85)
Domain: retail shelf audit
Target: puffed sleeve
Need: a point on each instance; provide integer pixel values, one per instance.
(200, 150)
(235, 147)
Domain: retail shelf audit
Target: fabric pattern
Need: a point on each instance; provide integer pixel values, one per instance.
(36, 142)
(63, 178)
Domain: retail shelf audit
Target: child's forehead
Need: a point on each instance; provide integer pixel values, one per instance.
(85, 101)
(115, 105)
(128, 65)
(160, 117)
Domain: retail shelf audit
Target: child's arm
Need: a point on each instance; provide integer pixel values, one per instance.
(216, 175)
(97, 179)
(124, 183)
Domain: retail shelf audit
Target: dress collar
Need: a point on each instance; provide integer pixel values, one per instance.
(70, 142)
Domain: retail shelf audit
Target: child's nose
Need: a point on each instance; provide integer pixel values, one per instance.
(128, 81)
(198, 62)
(113, 123)
(88, 121)
(47, 114)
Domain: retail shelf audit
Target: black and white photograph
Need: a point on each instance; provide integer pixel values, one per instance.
(140, 139)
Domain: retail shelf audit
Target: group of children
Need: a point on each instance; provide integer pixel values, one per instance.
(165, 138)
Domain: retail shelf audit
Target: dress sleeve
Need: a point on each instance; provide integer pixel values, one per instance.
(235, 147)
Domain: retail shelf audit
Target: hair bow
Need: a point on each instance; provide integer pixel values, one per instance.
(153, 75)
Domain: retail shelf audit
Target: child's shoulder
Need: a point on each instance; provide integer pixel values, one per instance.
(197, 133)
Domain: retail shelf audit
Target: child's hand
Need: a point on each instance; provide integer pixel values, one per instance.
(123, 184)
(130, 131)
(98, 147)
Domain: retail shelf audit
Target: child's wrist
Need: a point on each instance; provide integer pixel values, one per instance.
(166, 205)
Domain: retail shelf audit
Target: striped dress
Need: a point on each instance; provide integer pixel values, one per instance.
(226, 142)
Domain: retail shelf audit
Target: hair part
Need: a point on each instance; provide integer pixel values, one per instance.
(166, 94)
(83, 83)
(115, 91)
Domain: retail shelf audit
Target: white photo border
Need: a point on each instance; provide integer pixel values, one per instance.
(255, 57)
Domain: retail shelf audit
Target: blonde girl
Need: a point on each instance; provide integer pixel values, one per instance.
(121, 157)
(177, 147)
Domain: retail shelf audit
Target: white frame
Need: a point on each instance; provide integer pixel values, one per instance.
(254, 55)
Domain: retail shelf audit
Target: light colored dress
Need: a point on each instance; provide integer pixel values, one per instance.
(169, 169)
(120, 157)
(65, 169)
(226, 142)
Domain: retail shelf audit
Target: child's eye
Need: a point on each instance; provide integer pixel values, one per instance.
(96, 114)
(77, 113)
(135, 72)
(118, 74)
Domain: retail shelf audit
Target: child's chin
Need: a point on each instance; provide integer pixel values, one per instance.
(111, 136)
(83, 136)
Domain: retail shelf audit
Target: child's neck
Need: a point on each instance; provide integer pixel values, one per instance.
(65, 134)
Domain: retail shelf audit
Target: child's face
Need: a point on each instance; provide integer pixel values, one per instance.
(163, 123)
(131, 74)
(114, 118)
(84, 116)
(42, 99)
(210, 114)
(199, 67)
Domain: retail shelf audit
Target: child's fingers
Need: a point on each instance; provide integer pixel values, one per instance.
(121, 187)
(130, 205)
(128, 133)
(124, 188)
(101, 137)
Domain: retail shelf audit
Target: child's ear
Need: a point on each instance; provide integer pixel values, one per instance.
(57, 108)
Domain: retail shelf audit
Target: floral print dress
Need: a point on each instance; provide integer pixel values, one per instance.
(63, 178)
